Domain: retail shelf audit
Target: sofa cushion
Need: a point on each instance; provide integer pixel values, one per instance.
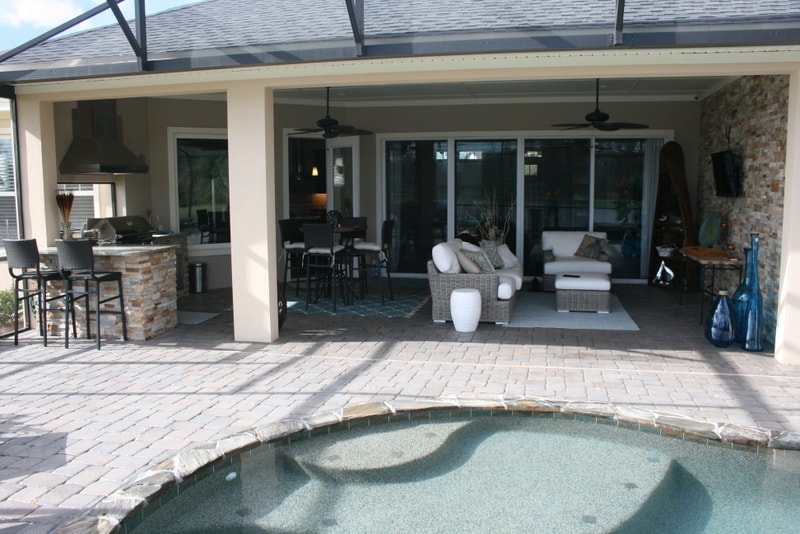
(565, 242)
(490, 249)
(474, 262)
(506, 286)
(444, 256)
(509, 260)
(576, 264)
(466, 237)
(591, 247)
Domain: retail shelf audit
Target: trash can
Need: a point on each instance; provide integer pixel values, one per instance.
(197, 278)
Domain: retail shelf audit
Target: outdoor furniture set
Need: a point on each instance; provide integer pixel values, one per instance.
(576, 267)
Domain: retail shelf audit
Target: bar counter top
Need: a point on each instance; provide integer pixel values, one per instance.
(116, 250)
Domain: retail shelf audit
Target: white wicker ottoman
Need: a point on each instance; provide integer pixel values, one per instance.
(583, 292)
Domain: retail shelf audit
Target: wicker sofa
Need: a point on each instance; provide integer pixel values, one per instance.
(560, 257)
(498, 289)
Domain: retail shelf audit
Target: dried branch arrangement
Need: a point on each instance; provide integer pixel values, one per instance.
(64, 201)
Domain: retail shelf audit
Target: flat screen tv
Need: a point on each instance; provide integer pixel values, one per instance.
(726, 174)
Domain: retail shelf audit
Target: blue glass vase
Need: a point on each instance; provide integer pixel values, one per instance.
(753, 320)
(739, 299)
(719, 329)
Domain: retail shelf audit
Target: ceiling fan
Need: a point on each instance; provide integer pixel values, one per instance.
(599, 120)
(329, 126)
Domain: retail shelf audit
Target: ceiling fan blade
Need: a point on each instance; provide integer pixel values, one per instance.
(572, 125)
(630, 126)
(300, 131)
(351, 130)
(606, 126)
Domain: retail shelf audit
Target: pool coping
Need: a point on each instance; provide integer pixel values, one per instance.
(130, 505)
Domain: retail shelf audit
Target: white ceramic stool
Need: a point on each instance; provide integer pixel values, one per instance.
(465, 309)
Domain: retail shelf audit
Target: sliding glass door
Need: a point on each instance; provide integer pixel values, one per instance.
(416, 199)
(436, 189)
(557, 177)
(485, 189)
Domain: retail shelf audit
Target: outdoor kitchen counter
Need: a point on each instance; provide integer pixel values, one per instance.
(148, 283)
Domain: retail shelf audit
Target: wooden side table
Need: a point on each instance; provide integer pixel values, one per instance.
(710, 260)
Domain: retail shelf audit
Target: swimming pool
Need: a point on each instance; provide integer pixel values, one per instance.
(485, 470)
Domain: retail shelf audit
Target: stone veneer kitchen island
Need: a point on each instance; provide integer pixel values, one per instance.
(149, 287)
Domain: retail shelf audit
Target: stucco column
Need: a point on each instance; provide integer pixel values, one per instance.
(787, 334)
(251, 184)
(38, 169)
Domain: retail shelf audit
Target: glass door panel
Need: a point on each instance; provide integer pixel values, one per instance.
(557, 175)
(343, 175)
(485, 188)
(618, 189)
(416, 199)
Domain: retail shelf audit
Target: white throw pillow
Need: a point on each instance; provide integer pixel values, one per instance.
(509, 260)
(444, 257)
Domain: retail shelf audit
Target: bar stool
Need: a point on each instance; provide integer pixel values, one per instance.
(76, 260)
(382, 250)
(356, 259)
(293, 250)
(324, 259)
(23, 266)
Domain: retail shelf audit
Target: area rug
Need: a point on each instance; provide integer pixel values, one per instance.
(193, 317)
(410, 295)
(538, 310)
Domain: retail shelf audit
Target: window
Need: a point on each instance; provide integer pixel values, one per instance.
(8, 190)
(202, 187)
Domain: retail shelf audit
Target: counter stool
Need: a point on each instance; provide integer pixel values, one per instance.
(293, 250)
(325, 260)
(23, 266)
(382, 251)
(76, 260)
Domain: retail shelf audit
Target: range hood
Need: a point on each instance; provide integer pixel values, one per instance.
(97, 144)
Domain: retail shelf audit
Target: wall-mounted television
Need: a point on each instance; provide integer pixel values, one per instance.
(727, 182)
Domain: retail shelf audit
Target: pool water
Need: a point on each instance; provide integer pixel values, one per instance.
(491, 474)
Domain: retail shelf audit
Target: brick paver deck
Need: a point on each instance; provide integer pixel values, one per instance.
(77, 424)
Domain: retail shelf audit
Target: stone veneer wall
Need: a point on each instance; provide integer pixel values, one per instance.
(752, 113)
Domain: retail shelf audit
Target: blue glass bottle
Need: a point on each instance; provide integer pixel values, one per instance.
(719, 324)
(754, 314)
(739, 299)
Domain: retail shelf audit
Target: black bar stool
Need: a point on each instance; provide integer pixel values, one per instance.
(382, 250)
(293, 250)
(23, 266)
(76, 260)
(325, 260)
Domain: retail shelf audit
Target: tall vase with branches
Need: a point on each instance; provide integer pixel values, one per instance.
(64, 200)
(494, 221)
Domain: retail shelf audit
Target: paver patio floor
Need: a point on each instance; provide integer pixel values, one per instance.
(77, 424)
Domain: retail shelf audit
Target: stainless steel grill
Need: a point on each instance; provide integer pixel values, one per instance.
(127, 230)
